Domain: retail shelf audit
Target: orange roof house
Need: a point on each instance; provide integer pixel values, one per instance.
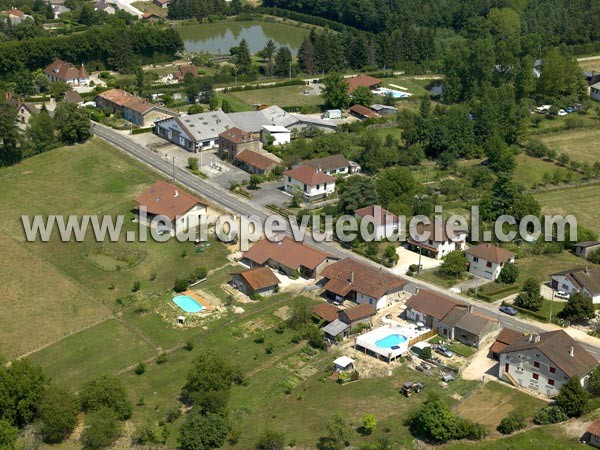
(363, 80)
(260, 280)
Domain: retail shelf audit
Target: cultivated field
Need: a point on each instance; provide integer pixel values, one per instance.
(583, 203)
(529, 171)
(494, 401)
(281, 96)
(581, 145)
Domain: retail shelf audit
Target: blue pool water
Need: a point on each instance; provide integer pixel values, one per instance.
(188, 304)
(390, 341)
(395, 94)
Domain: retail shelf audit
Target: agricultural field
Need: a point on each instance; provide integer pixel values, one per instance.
(529, 171)
(582, 202)
(281, 96)
(581, 144)
(494, 401)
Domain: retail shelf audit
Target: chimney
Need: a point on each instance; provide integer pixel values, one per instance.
(536, 338)
(176, 193)
(586, 271)
(572, 351)
(416, 290)
(470, 309)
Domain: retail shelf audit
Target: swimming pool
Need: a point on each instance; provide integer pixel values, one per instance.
(395, 94)
(188, 304)
(390, 341)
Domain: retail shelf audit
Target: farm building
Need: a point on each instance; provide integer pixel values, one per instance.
(260, 280)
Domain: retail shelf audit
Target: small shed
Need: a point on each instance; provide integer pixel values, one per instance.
(332, 114)
(343, 364)
(586, 248)
(362, 112)
(335, 329)
(594, 434)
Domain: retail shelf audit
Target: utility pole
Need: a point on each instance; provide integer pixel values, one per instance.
(551, 302)
(174, 157)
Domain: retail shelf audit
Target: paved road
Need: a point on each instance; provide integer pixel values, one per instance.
(237, 205)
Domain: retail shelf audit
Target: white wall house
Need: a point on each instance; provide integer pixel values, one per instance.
(595, 91)
(384, 223)
(487, 260)
(281, 135)
(313, 183)
(544, 362)
(585, 280)
(439, 243)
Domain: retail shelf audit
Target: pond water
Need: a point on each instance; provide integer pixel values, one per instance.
(218, 38)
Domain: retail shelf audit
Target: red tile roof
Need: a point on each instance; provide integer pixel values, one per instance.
(358, 312)
(432, 304)
(594, 428)
(380, 215)
(286, 252)
(351, 275)
(255, 159)
(14, 12)
(259, 278)
(326, 311)
(308, 175)
(65, 70)
(237, 136)
(182, 71)
(362, 80)
(363, 111)
(167, 200)
(490, 252)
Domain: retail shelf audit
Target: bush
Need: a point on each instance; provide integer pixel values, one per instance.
(58, 412)
(368, 424)
(259, 339)
(508, 274)
(426, 353)
(136, 286)
(172, 415)
(189, 345)
(550, 414)
(106, 391)
(198, 274)
(270, 440)
(180, 285)
(511, 423)
(193, 164)
(102, 429)
(162, 358)
(140, 368)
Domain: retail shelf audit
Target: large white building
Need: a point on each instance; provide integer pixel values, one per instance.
(544, 362)
(583, 279)
(487, 260)
(313, 183)
(196, 131)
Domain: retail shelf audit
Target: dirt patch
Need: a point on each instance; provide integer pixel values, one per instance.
(283, 313)
(575, 428)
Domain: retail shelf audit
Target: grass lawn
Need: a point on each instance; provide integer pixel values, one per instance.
(457, 347)
(580, 144)
(551, 437)
(583, 203)
(541, 266)
(282, 96)
(435, 276)
(529, 171)
(494, 401)
(150, 7)
(236, 104)
(102, 349)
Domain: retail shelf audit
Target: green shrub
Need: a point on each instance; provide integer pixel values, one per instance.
(162, 358)
(511, 423)
(550, 414)
(180, 285)
(140, 368)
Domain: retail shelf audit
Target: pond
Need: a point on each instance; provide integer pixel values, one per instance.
(218, 38)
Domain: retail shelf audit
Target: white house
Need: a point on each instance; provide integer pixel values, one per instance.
(486, 260)
(360, 283)
(385, 223)
(177, 210)
(434, 241)
(195, 131)
(313, 183)
(544, 362)
(581, 279)
(281, 135)
(333, 165)
(595, 91)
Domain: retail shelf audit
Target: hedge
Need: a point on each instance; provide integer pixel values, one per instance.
(142, 130)
(497, 294)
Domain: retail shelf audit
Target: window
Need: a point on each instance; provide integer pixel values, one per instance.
(536, 364)
(489, 264)
(552, 369)
(475, 259)
(535, 376)
(305, 188)
(289, 179)
(551, 382)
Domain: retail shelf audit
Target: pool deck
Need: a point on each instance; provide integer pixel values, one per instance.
(206, 308)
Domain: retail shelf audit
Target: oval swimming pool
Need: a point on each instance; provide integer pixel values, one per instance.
(188, 304)
(390, 341)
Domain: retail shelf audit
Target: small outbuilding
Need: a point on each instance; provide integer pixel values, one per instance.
(593, 433)
(335, 329)
(343, 364)
(260, 280)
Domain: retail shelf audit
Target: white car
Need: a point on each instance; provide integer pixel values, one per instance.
(563, 294)
(562, 112)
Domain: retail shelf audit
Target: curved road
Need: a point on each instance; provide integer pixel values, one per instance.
(238, 205)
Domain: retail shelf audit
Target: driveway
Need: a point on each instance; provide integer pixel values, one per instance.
(407, 257)
(271, 193)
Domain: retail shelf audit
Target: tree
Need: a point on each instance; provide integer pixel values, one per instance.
(42, 81)
(594, 382)
(368, 423)
(335, 92)
(434, 421)
(214, 103)
(508, 274)
(511, 423)
(269, 52)
(195, 109)
(395, 187)
(306, 56)
(455, 263)
(243, 60)
(140, 80)
(572, 398)
(550, 414)
(361, 96)
(356, 192)
(203, 432)
(10, 139)
(338, 434)
(40, 131)
(254, 181)
(106, 391)
(58, 414)
(21, 389)
(579, 307)
(270, 440)
(8, 435)
(72, 123)
(300, 316)
(283, 63)
(530, 297)
(102, 429)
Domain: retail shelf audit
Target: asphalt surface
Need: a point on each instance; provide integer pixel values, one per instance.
(238, 205)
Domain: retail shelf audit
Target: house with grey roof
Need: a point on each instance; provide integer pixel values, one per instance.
(583, 279)
(586, 248)
(595, 91)
(195, 131)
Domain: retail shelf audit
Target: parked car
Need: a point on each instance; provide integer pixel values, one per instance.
(448, 377)
(562, 112)
(569, 109)
(508, 310)
(563, 294)
(444, 351)
(543, 109)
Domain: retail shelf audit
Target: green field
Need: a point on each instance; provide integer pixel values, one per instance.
(581, 144)
(582, 202)
(282, 96)
(529, 171)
